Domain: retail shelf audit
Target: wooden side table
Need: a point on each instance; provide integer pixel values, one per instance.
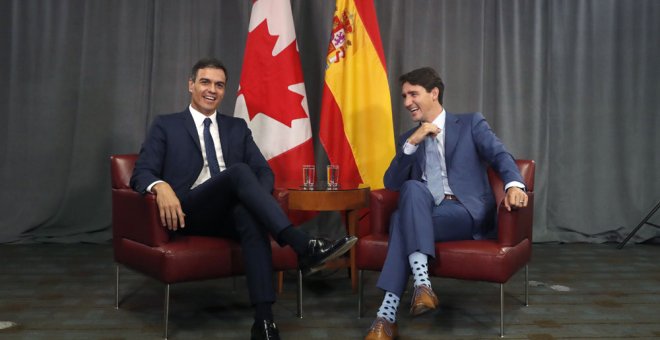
(348, 200)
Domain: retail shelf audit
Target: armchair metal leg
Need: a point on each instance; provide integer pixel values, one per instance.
(360, 291)
(526, 285)
(280, 282)
(116, 286)
(166, 312)
(501, 310)
(502, 299)
(299, 295)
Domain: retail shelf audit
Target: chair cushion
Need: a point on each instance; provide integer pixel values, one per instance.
(483, 260)
(190, 258)
(186, 258)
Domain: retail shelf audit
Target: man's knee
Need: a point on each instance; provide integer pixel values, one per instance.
(412, 184)
(239, 169)
(413, 188)
(240, 173)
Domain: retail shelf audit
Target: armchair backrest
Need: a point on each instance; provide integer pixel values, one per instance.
(121, 169)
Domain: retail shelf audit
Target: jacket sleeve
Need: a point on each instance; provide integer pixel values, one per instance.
(401, 167)
(493, 151)
(149, 164)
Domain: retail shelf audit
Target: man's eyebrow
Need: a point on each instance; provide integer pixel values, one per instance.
(209, 80)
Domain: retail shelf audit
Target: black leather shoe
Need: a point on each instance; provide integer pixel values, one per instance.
(320, 250)
(264, 330)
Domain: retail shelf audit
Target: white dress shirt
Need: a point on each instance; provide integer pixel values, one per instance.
(199, 118)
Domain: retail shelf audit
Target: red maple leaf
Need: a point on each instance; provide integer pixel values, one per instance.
(265, 78)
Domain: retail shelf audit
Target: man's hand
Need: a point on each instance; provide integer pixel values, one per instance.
(515, 198)
(424, 130)
(169, 207)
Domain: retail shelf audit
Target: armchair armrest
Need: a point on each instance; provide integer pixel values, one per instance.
(382, 204)
(135, 217)
(515, 225)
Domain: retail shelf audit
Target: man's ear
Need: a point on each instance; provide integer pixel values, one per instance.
(191, 83)
(435, 93)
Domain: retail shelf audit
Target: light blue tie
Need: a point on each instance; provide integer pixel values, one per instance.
(433, 171)
(211, 158)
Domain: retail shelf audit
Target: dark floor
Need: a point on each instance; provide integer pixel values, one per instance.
(577, 291)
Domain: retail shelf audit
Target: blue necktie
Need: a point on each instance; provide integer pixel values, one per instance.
(433, 171)
(211, 158)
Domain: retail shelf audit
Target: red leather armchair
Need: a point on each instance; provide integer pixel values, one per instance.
(494, 260)
(142, 244)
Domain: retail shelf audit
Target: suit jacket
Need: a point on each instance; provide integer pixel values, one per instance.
(172, 152)
(470, 147)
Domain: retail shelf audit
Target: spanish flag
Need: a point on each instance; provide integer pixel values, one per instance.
(356, 112)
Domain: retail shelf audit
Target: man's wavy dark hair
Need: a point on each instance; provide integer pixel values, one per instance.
(425, 77)
(208, 63)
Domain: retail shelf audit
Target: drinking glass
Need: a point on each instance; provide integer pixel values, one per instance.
(309, 176)
(333, 176)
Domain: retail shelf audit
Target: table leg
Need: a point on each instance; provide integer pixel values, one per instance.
(352, 217)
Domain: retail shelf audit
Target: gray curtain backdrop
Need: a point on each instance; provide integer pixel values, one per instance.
(572, 84)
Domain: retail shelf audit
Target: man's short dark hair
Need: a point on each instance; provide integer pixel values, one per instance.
(208, 63)
(425, 77)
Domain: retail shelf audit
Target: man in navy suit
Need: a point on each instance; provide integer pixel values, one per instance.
(210, 178)
(440, 171)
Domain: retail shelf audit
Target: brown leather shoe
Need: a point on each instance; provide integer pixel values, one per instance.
(382, 329)
(423, 300)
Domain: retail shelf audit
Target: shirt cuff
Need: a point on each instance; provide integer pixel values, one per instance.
(152, 185)
(409, 149)
(514, 184)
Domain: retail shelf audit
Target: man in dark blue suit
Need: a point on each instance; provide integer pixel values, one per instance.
(210, 178)
(440, 171)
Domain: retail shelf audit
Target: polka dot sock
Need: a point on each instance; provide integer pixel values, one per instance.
(388, 309)
(418, 266)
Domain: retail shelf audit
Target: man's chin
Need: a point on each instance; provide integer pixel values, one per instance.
(210, 109)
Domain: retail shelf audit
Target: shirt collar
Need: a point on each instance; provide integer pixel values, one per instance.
(199, 117)
(439, 121)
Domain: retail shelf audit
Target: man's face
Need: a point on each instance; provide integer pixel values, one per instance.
(207, 90)
(423, 105)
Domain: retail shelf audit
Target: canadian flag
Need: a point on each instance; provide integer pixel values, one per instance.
(271, 94)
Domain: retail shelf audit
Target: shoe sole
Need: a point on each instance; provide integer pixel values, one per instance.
(337, 253)
(420, 310)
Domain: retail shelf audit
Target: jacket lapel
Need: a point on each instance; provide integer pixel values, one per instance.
(224, 130)
(421, 157)
(189, 123)
(452, 128)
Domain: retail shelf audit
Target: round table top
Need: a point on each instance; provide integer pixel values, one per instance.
(322, 199)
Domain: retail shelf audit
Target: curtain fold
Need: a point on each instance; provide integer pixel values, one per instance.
(572, 84)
